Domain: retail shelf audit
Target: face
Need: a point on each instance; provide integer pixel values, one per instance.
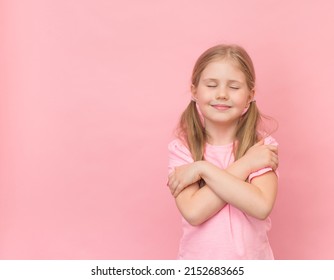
(222, 93)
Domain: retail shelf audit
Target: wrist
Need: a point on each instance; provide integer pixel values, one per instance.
(246, 165)
(200, 168)
(241, 168)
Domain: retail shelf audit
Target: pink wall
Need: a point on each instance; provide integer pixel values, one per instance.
(90, 94)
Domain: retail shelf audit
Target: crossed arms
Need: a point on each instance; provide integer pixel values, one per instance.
(255, 198)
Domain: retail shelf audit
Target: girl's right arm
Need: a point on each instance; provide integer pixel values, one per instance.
(199, 204)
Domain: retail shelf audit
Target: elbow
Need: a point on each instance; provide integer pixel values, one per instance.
(193, 218)
(262, 216)
(263, 213)
(194, 222)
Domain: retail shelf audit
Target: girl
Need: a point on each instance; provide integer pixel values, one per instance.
(221, 166)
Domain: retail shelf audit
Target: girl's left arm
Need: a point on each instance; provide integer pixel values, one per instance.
(256, 198)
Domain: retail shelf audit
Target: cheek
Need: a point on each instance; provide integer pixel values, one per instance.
(242, 100)
(202, 99)
(200, 107)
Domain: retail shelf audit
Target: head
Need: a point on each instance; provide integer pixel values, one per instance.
(233, 53)
(191, 124)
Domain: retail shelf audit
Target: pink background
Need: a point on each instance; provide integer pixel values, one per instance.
(91, 92)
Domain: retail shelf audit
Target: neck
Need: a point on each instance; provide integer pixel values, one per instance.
(220, 135)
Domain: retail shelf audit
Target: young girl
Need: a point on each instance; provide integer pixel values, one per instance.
(222, 168)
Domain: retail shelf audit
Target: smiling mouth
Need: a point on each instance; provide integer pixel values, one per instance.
(221, 107)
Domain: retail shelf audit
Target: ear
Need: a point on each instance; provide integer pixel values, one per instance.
(251, 96)
(193, 93)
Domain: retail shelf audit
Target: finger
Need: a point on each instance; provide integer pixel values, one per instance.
(170, 175)
(272, 165)
(176, 193)
(179, 188)
(275, 163)
(275, 156)
(174, 187)
(171, 185)
(273, 148)
(169, 180)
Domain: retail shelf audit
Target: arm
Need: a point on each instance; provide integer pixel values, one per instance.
(255, 199)
(199, 204)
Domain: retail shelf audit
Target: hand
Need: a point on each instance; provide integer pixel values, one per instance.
(261, 156)
(182, 177)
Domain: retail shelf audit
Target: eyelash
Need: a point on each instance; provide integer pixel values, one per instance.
(210, 86)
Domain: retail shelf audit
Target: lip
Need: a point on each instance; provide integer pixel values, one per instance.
(221, 107)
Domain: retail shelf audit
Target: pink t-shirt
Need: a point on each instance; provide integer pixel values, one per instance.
(230, 234)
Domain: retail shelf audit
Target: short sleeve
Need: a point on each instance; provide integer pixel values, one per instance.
(267, 141)
(178, 154)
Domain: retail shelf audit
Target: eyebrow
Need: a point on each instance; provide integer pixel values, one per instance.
(217, 80)
(210, 80)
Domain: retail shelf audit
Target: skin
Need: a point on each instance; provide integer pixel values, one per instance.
(222, 96)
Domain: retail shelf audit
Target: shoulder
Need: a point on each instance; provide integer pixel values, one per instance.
(178, 149)
(177, 145)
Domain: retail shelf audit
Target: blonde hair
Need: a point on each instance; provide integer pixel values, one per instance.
(191, 129)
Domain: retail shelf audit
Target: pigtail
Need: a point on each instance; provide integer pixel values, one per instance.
(192, 132)
(247, 131)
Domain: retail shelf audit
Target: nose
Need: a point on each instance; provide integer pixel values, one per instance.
(222, 93)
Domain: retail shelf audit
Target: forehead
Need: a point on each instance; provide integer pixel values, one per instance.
(225, 69)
